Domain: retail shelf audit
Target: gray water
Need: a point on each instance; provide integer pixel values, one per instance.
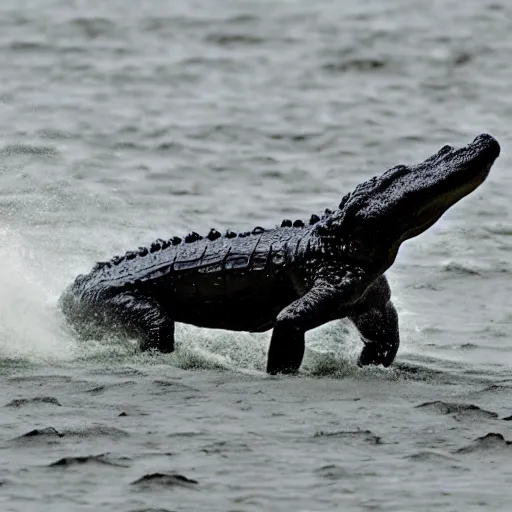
(122, 122)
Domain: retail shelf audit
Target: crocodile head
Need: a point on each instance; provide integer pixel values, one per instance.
(380, 214)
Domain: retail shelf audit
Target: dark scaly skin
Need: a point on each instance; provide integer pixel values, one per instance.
(292, 278)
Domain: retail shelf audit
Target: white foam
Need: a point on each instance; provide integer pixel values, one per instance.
(30, 327)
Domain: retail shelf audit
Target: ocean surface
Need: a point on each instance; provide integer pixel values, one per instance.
(122, 122)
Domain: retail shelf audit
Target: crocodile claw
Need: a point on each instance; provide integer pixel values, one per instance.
(376, 354)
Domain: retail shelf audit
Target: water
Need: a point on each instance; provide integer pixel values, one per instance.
(124, 122)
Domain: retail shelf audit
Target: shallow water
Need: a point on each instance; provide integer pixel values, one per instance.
(121, 123)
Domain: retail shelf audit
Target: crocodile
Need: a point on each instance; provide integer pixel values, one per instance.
(291, 278)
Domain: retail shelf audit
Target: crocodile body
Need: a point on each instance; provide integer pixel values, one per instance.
(291, 278)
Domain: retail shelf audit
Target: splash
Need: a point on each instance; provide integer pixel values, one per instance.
(33, 331)
(30, 329)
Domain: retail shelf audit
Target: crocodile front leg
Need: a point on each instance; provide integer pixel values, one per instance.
(377, 320)
(379, 329)
(143, 317)
(318, 306)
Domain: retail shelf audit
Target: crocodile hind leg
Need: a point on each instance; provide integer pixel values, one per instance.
(376, 319)
(143, 317)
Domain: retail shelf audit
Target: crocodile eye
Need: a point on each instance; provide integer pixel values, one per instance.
(344, 200)
(398, 170)
(445, 149)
